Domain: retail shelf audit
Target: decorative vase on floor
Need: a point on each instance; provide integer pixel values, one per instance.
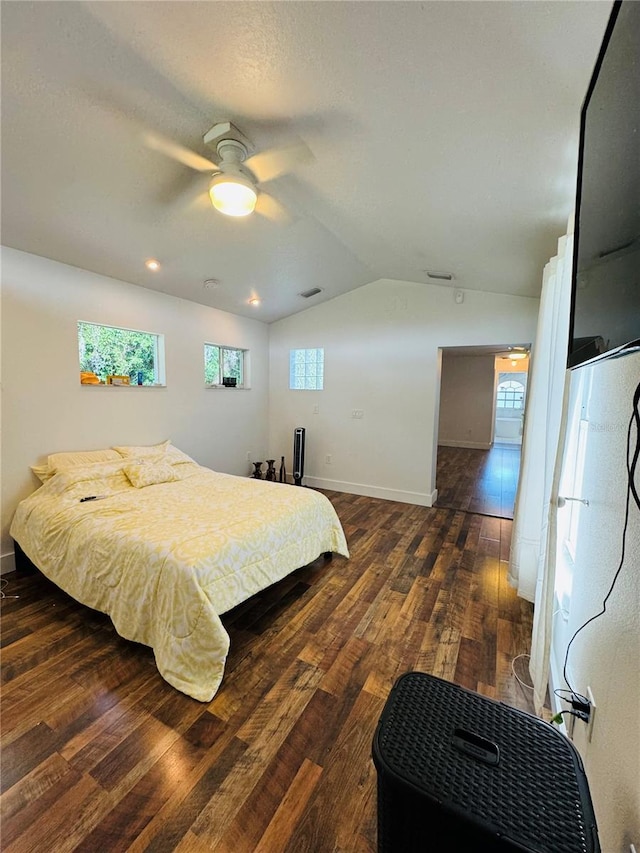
(271, 471)
(257, 474)
(283, 473)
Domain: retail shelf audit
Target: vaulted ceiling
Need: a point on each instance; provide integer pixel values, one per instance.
(444, 138)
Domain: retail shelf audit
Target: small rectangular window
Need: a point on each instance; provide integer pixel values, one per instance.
(222, 363)
(306, 369)
(112, 355)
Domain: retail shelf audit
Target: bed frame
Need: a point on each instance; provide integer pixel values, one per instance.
(24, 566)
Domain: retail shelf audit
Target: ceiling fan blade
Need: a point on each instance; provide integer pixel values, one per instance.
(274, 162)
(271, 209)
(178, 152)
(189, 195)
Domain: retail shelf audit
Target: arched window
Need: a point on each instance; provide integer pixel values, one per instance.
(510, 395)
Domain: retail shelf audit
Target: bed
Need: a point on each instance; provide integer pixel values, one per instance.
(165, 547)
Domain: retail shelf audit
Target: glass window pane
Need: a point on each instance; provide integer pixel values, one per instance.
(110, 351)
(306, 369)
(223, 361)
(212, 364)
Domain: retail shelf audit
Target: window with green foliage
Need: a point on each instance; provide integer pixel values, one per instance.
(306, 369)
(222, 362)
(111, 351)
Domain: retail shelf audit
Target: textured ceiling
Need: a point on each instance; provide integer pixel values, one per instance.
(444, 137)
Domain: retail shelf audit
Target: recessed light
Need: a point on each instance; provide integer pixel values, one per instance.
(152, 264)
(211, 283)
(254, 301)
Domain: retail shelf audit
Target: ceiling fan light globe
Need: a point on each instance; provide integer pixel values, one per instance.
(232, 195)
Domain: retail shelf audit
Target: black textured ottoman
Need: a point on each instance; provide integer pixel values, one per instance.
(459, 772)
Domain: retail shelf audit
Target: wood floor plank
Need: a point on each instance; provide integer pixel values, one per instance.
(301, 744)
(123, 824)
(290, 810)
(33, 785)
(26, 752)
(347, 772)
(66, 820)
(264, 733)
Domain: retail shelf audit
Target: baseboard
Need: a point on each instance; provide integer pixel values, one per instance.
(471, 445)
(7, 563)
(417, 498)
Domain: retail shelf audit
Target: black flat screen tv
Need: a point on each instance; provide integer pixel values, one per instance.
(605, 301)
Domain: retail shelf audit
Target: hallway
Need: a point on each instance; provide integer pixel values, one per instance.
(480, 481)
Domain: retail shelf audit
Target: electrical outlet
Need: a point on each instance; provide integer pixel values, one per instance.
(592, 714)
(248, 456)
(316, 409)
(327, 459)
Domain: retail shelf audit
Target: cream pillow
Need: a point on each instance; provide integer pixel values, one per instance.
(72, 458)
(142, 451)
(175, 456)
(42, 472)
(143, 474)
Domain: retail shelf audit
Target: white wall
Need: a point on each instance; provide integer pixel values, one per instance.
(606, 654)
(45, 409)
(381, 346)
(467, 398)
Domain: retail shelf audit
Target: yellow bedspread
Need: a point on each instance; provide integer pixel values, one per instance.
(164, 561)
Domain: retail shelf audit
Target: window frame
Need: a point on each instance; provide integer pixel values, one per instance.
(159, 369)
(244, 365)
(307, 362)
(511, 394)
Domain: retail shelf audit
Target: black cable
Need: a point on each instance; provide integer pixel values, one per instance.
(572, 697)
(631, 468)
(631, 491)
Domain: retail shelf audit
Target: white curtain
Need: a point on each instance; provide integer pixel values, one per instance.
(532, 559)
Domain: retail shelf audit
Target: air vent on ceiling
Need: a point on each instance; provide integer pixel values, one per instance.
(313, 292)
(440, 276)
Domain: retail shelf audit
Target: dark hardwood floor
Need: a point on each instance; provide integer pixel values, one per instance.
(100, 754)
(482, 481)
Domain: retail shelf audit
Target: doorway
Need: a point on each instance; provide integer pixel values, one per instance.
(511, 391)
(479, 436)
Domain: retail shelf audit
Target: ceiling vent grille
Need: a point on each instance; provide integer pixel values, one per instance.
(313, 292)
(440, 276)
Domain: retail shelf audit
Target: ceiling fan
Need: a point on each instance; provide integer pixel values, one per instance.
(236, 172)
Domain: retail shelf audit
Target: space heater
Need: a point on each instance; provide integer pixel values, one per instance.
(298, 455)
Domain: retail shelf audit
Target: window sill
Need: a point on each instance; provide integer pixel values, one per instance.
(128, 387)
(228, 387)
